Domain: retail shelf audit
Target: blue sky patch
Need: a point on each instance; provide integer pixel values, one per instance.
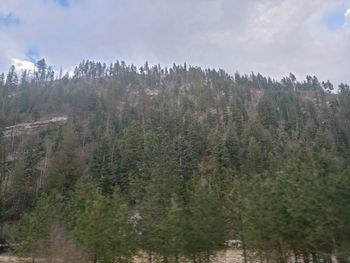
(335, 19)
(7, 20)
(64, 3)
(32, 55)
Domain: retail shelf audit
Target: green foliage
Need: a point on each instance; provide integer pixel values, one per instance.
(258, 149)
(205, 229)
(104, 229)
(169, 240)
(175, 161)
(103, 166)
(232, 145)
(267, 113)
(66, 166)
(131, 153)
(218, 150)
(34, 228)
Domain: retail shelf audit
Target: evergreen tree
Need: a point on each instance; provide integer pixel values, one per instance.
(66, 166)
(103, 166)
(178, 161)
(11, 80)
(154, 188)
(233, 147)
(130, 153)
(205, 227)
(104, 229)
(268, 115)
(42, 69)
(34, 228)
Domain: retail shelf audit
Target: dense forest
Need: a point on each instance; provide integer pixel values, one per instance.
(173, 162)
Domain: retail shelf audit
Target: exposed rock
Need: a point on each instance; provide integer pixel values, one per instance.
(21, 128)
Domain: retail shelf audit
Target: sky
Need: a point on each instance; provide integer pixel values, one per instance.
(272, 37)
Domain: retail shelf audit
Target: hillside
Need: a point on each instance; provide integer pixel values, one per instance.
(173, 161)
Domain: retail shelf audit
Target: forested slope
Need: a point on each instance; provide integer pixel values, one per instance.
(174, 162)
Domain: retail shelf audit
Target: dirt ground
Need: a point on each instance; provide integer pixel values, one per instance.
(227, 256)
(230, 256)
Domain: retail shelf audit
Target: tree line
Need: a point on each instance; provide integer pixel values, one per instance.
(177, 172)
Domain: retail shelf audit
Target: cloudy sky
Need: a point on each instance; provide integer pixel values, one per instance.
(273, 37)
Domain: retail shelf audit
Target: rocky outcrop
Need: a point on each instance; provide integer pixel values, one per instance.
(24, 128)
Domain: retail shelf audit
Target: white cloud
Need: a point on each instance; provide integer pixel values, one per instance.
(23, 64)
(273, 37)
(347, 17)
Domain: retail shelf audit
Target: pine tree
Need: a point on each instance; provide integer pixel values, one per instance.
(189, 145)
(232, 145)
(34, 228)
(154, 188)
(218, 150)
(259, 155)
(267, 112)
(11, 80)
(42, 69)
(103, 166)
(169, 241)
(104, 229)
(205, 223)
(66, 166)
(131, 150)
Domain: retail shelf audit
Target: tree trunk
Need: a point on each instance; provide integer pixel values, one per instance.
(314, 257)
(165, 259)
(244, 251)
(341, 260)
(295, 256)
(306, 257)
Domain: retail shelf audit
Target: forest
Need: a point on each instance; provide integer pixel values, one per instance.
(173, 162)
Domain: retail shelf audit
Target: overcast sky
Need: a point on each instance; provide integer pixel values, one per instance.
(273, 37)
